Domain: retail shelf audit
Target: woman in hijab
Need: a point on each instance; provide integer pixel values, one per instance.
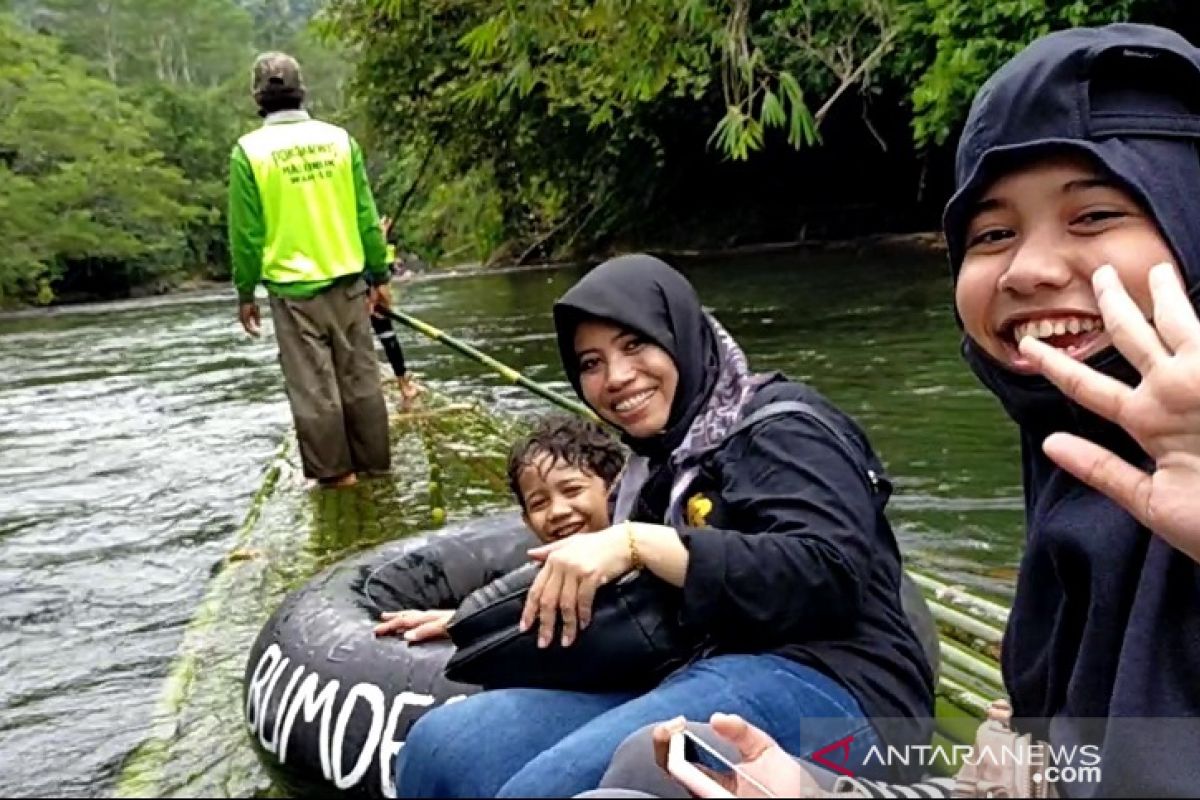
(759, 503)
(1074, 237)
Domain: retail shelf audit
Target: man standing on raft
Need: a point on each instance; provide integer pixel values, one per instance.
(303, 222)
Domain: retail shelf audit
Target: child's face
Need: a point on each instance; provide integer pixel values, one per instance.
(562, 500)
(1036, 237)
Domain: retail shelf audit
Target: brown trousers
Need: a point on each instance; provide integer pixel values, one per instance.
(327, 354)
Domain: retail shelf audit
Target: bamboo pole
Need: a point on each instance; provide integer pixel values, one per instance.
(962, 658)
(959, 695)
(505, 371)
(953, 723)
(962, 622)
(969, 682)
(961, 600)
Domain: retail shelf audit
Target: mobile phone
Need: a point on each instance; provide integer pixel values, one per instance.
(681, 768)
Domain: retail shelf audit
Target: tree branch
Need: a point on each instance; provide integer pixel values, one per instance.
(851, 79)
(412, 189)
(541, 240)
(870, 127)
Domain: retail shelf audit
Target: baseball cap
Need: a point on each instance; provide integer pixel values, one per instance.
(276, 73)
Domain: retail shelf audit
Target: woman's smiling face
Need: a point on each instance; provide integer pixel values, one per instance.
(1033, 241)
(627, 379)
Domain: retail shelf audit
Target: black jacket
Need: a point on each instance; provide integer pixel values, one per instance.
(790, 553)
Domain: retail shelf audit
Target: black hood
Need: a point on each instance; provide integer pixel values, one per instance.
(644, 294)
(1128, 98)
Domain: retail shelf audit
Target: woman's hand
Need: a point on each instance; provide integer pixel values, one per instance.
(417, 626)
(762, 760)
(1162, 413)
(573, 569)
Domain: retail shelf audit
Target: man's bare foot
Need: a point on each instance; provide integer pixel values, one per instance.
(349, 479)
(409, 387)
(409, 390)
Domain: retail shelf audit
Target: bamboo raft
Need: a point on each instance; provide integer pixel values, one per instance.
(448, 459)
(970, 630)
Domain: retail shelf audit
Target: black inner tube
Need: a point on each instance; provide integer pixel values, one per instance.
(327, 702)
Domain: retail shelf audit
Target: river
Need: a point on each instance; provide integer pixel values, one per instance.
(133, 435)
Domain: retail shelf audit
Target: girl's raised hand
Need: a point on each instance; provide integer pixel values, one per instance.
(1162, 413)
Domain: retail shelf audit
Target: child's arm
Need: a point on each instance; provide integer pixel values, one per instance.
(417, 626)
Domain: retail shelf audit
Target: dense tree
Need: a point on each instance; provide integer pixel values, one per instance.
(496, 131)
(118, 117)
(278, 22)
(951, 46)
(584, 119)
(86, 199)
(192, 42)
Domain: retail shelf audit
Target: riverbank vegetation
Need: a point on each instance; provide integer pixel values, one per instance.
(116, 119)
(498, 132)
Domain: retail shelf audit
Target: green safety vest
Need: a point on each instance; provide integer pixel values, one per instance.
(305, 180)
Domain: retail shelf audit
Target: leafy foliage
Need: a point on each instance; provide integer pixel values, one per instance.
(495, 130)
(117, 121)
(84, 194)
(951, 46)
(581, 112)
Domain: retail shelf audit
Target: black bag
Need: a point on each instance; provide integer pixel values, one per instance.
(632, 643)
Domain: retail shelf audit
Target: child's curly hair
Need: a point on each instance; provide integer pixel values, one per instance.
(581, 443)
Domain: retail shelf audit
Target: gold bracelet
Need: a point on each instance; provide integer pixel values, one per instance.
(635, 558)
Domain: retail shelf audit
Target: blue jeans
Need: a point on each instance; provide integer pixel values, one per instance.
(546, 743)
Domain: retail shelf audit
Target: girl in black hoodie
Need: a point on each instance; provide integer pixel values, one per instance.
(767, 521)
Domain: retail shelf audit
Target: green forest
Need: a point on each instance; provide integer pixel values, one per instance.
(497, 132)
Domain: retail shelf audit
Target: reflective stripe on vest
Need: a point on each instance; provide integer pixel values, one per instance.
(305, 178)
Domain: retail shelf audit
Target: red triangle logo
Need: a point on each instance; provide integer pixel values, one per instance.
(841, 746)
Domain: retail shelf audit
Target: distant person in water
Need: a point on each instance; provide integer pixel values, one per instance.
(386, 333)
(302, 222)
(402, 263)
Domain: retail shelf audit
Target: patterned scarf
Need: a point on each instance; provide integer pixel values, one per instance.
(734, 388)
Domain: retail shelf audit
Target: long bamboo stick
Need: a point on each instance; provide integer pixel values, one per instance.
(959, 695)
(969, 682)
(505, 371)
(971, 663)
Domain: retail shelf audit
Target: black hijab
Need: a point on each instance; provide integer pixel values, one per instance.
(645, 295)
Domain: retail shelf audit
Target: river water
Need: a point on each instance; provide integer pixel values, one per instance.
(133, 435)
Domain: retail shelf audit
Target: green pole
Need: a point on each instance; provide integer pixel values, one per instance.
(507, 372)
